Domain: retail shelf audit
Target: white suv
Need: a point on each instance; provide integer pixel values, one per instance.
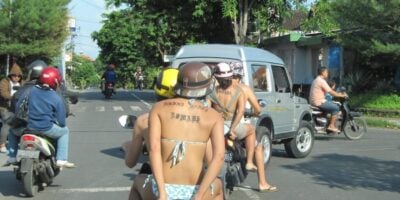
(285, 118)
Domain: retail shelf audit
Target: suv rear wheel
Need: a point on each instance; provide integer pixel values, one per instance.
(301, 145)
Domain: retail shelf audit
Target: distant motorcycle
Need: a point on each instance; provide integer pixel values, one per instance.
(351, 123)
(108, 90)
(140, 82)
(36, 162)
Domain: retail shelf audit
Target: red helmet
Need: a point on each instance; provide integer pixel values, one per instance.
(50, 76)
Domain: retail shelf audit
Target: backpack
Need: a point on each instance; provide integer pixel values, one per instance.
(20, 118)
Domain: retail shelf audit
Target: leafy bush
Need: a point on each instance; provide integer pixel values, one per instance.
(357, 81)
(376, 100)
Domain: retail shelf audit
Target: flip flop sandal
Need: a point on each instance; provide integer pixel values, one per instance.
(269, 189)
(251, 169)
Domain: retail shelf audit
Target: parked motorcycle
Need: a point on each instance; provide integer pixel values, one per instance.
(36, 166)
(351, 123)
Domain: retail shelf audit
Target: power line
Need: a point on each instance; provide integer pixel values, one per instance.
(86, 45)
(93, 5)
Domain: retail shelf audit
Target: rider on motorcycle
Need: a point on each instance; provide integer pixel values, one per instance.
(238, 73)
(46, 114)
(319, 89)
(197, 124)
(110, 76)
(230, 101)
(163, 88)
(139, 78)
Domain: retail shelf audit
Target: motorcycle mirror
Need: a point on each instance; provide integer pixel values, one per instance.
(127, 121)
(262, 103)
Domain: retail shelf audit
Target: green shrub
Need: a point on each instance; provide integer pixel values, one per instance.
(376, 100)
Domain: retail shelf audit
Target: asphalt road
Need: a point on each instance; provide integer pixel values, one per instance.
(336, 169)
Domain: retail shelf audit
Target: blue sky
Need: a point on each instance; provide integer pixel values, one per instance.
(87, 14)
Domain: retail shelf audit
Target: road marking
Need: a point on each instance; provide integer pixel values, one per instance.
(99, 189)
(141, 100)
(136, 108)
(100, 108)
(81, 109)
(248, 191)
(118, 108)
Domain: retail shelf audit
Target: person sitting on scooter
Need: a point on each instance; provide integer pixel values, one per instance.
(110, 76)
(250, 97)
(46, 114)
(318, 91)
(229, 100)
(163, 89)
(180, 175)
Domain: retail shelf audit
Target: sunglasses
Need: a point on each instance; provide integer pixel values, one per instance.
(14, 75)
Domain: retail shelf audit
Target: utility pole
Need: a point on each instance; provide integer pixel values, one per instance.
(9, 38)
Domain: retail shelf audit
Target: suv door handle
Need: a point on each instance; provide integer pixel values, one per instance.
(278, 101)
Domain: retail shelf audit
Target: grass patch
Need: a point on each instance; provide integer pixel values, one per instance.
(375, 100)
(382, 123)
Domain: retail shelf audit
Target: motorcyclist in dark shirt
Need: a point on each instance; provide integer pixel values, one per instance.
(110, 76)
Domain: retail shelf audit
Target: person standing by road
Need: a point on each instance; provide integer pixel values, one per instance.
(7, 89)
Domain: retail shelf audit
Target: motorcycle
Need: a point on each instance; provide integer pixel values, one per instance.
(108, 90)
(140, 82)
(351, 123)
(234, 170)
(36, 167)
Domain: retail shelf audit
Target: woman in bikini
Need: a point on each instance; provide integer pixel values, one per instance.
(179, 129)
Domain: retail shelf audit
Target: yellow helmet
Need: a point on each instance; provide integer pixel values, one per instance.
(166, 81)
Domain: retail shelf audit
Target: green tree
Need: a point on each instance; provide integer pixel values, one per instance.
(82, 72)
(265, 16)
(369, 27)
(34, 28)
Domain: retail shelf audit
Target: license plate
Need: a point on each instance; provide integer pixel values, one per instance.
(27, 154)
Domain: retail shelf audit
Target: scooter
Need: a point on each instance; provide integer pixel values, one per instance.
(234, 170)
(351, 123)
(140, 82)
(36, 167)
(108, 90)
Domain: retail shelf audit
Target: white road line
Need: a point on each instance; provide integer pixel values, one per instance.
(141, 100)
(118, 108)
(136, 108)
(99, 189)
(248, 191)
(100, 108)
(81, 109)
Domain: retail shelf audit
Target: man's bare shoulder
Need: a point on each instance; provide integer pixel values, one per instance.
(245, 88)
(142, 121)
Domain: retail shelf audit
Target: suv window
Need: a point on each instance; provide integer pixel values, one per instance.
(260, 77)
(281, 80)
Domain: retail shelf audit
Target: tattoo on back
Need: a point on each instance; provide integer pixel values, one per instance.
(185, 118)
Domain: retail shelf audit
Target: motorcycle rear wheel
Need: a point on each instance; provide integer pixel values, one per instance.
(29, 179)
(355, 128)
